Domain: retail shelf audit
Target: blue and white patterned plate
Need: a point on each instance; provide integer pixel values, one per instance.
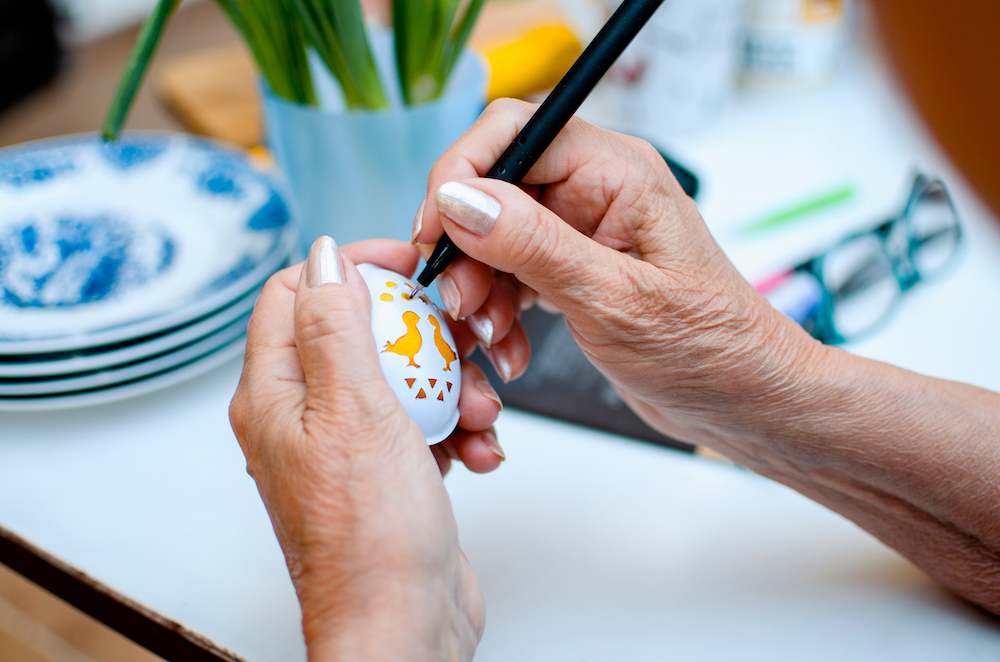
(102, 243)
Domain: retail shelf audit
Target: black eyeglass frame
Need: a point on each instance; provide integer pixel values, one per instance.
(904, 267)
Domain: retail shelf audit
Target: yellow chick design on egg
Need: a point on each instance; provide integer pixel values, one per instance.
(409, 343)
(447, 353)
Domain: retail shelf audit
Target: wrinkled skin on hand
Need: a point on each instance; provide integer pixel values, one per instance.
(354, 493)
(601, 231)
(623, 253)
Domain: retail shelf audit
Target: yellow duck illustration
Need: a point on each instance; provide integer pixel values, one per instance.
(409, 343)
(447, 353)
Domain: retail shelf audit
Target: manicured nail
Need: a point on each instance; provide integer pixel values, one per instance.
(324, 266)
(482, 326)
(491, 442)
(483, 386)
(501, 362)
(471, 208)
(450, 296)
(418, 223)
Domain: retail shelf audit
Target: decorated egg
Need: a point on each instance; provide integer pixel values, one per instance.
(417, 352)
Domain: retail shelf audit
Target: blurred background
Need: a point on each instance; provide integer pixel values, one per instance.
(782, 117)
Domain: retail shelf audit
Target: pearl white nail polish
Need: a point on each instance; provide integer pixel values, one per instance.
(324, 265)
(451, 297)
(494, 445)
(470, 208)
(418, 222)
(500, 360)
(486, 389)
(482, 327)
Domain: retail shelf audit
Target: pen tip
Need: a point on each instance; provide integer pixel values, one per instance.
(416, 291)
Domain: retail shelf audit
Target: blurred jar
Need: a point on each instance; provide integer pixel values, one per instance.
(793, 44)
(682, 68)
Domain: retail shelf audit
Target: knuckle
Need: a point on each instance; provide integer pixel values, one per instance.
(505, 107)
(339, 318)
(646, 151)
(529, 243)
(237, 420)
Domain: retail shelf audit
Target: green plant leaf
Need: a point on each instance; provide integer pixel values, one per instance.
(336, 29)
(136, 68)
(430, 38)
(459, 37)
(277, 41)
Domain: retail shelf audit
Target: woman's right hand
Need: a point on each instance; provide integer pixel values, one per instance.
(601, 230)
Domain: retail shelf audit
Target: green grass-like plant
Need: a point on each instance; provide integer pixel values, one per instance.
(430, 36)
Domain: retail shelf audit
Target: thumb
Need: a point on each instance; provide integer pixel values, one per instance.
(333, 335)
(499, 224)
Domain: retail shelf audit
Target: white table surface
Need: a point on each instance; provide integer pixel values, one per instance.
(587, 546)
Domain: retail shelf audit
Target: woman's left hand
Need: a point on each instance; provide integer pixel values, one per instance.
(354, 494)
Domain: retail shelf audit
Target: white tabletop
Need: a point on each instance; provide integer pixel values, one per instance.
(587, 546)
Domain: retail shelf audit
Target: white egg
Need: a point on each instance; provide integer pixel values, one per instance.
(416, 350)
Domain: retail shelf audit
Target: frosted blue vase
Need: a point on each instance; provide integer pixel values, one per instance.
(361, 174)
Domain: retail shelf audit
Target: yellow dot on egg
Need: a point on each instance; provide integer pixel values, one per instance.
(406, 296)
(390, 284)
(386, 297)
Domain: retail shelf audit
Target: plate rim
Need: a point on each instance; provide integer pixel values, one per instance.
(169, 320)
(97, 379)
(132, 389)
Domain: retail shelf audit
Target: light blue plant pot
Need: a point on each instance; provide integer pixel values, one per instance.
(362, 174)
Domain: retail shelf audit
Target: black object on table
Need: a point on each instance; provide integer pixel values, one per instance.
(561, 383)
(30, 53)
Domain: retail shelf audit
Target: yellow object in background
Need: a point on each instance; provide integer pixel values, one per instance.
(531, 63)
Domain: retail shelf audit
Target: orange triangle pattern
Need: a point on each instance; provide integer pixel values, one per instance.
(421, 395)
(433, 382)
(449, 386)
(410, 381)
(441, 396)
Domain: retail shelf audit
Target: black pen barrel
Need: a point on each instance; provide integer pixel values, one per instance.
(557, 109)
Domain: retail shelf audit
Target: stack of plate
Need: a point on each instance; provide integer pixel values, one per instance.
(130, 266)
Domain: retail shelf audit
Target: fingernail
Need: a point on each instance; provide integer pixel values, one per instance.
(487, 391)
(418, 222)
(471, 208)
(324, 266)
(491, 442)
(501, 362)
(450, 296)
(482, 326)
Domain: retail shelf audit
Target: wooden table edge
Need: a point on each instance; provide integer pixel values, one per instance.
(155, 633)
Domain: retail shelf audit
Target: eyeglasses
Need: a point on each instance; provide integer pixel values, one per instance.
(851, 289)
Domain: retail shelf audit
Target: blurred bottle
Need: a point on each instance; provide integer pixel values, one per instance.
(792, 44)
(682, 68)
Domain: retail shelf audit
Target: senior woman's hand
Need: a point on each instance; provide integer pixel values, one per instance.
(601, 230)
(353, 491)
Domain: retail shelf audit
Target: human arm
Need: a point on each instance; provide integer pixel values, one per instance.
(602, 232)
(353, 491)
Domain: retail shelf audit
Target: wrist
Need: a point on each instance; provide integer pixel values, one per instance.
(769, 368)
(388, 619)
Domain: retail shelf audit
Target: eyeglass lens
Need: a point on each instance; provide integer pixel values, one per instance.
(859, 276)
(934, 231)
